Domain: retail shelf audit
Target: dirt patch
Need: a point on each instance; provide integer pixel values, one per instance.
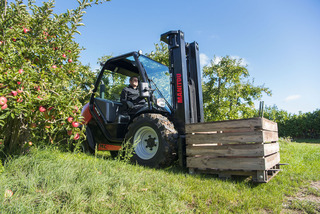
(305, 200)
(315, 185)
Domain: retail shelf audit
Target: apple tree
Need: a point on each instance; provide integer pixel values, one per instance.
(228, 92)
(42, 82)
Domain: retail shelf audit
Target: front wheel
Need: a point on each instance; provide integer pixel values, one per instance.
(89, 144)
(154, 140)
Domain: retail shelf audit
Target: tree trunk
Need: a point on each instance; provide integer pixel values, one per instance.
(16, 136)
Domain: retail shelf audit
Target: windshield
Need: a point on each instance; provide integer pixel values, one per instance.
(160, 75)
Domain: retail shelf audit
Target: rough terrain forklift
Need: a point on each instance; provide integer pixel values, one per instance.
(173, 99)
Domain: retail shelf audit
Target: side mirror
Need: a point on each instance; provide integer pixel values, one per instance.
(144, 89)
(102, 90)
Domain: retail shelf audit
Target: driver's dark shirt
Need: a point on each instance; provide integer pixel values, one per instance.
(132, 95)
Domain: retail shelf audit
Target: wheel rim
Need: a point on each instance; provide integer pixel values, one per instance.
(146, 142)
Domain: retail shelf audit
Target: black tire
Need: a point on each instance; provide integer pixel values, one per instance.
(86, 148)
(114, 154)
(156, 140)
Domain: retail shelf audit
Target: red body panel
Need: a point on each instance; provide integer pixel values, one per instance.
(86, 113)
(107, 147)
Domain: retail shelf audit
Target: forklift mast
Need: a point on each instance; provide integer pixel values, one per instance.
(184, 66)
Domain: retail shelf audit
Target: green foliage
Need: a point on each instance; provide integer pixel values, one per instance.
(114, 82)
(1, 167)
(49, 181)
(161, 54)
(227, 92)
(40, 74)
(302, 125)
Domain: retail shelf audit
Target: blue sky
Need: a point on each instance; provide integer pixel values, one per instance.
(279, 40)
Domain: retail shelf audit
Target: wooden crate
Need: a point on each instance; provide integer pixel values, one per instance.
(234, 147)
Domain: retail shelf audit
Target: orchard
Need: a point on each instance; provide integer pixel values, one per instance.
(42, 82)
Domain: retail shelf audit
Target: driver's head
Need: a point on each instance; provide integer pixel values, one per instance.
(134, 81)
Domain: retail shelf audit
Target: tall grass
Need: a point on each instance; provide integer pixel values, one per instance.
(48, 181)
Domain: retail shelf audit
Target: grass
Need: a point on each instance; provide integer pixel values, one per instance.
(48, 181)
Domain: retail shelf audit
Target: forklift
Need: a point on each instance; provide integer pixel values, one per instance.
(173, 99)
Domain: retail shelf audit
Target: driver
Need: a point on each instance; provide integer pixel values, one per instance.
(130, 96)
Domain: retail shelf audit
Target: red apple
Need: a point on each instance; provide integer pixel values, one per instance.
(26, 30)
(64, 56)
(18, 83)
(69, 132)
(19, 91)
(75, 124)
(42, 109)
(77, 136)
(14, 93)
(3, 101)
(75, 110)
(4, 106)
(8, 193)
(70, 60)
(54, 66)
(14, 39)
(19, 100)
(20, 71)
(70, 119)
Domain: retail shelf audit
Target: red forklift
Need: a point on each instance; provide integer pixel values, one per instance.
(173, 99)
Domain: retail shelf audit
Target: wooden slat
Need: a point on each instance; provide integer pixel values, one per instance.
(256, 150)
(269, 136)
(229, 150)
(272, 160)
(227, 163)
(271, 148)
(269, 125)
(231, 172)
(252, 123)
(223, 138)
(234, 163)
(228, 125)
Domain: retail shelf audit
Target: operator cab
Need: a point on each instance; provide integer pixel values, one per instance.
(105, 105)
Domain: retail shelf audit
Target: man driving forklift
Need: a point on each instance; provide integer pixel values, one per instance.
(130, 97)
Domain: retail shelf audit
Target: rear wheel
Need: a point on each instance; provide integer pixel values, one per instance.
(154, 139)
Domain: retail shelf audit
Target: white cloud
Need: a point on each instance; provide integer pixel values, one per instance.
(204, 60)
(292, 97)
(217, 59)
(244, 62)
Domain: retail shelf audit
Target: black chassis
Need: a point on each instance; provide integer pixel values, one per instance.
(113, 132)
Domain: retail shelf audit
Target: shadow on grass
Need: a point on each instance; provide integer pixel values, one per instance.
(178, 170)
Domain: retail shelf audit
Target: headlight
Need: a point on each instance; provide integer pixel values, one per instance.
(161, 102)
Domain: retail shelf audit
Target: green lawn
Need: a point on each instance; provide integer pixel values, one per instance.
(48, 181)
